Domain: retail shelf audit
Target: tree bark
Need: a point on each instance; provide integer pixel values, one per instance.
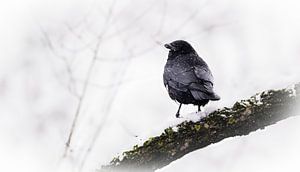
(245, 116)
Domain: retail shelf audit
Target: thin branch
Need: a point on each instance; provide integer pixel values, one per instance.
(135, 55)
(81, 98)
(52, 49)
(109, 101)
(150, 48)
(132, 24)
(87, 80)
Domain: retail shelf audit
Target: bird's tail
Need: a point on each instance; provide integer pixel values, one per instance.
(215, 97)
(199, 95)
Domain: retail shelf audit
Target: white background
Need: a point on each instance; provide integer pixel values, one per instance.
(46, 48)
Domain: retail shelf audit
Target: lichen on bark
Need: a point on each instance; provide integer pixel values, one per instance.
(243, 117)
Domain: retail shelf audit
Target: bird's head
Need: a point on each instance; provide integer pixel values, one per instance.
(180, 47)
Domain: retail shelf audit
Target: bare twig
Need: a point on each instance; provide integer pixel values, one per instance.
(110, 100)
(87, 80)
(49, 43)
(132, 24)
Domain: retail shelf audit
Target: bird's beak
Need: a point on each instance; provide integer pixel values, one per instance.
(169, 46)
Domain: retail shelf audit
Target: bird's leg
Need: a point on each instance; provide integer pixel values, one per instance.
(199, 108)
(177, 114)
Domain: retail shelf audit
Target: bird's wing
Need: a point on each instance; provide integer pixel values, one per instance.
(204, 88)
(182, 77)
(178, 77)
(203, 73)
(204, 79)
(198, 80)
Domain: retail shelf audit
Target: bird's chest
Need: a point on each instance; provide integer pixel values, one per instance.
(178, 65)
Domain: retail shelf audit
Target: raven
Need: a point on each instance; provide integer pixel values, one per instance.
(187, 77)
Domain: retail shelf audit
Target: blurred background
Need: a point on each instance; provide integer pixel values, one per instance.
(94, 67)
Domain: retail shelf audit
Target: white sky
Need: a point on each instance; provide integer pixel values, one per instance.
(256, 47)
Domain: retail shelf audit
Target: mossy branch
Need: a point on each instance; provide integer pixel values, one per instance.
(245, 116)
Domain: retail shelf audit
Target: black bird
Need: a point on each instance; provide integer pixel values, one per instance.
(187, 77)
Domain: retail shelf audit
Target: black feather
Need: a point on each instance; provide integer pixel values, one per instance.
(187, 77)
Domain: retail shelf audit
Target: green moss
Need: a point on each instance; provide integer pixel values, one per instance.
(246, 116)
(160, 143)
(197, 127)
(232, 120)
(169, 131)
(150, 140)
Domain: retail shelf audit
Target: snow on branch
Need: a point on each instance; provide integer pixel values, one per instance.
(245, 116)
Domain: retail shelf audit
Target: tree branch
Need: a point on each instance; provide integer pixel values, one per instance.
(87, 79)
(245, 116)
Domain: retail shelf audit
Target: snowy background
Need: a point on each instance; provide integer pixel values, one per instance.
(107, 56)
